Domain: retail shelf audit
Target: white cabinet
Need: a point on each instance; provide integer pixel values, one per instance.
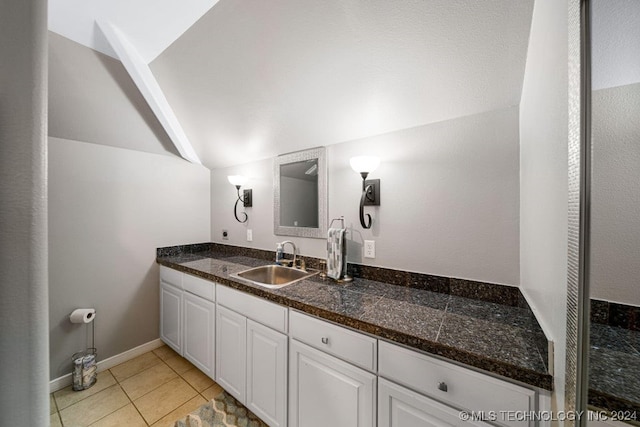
(454, 385)
(171, 316)
(323, 374)
(401, 407)
(231, 352)
(187, 317)
(251, 353)
(199, 332)
(326, 391)
(267, 374)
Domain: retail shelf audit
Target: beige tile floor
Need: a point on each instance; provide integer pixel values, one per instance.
(154, 389)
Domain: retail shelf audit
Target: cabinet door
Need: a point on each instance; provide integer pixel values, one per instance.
(231, 352)
(267, 374)
(326, 391)
(199, 332)
(171, 316)
(401, 407)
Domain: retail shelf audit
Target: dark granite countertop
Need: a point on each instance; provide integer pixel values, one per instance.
(614, 368)
(501, 339)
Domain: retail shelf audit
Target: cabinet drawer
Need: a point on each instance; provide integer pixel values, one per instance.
(461, 387)
(171, 276)
(198, 286)
(348, 345)
(400, 407)
(265, 312)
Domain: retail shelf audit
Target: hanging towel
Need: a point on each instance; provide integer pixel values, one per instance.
(336, 245)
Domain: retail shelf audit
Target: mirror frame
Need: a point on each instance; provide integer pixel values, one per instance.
(320, 232)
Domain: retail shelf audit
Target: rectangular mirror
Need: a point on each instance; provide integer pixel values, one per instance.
(300, 194)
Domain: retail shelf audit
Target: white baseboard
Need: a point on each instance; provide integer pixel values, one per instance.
(103, 365)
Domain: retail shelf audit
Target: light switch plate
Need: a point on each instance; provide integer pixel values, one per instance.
(249, 235)
(369, 248)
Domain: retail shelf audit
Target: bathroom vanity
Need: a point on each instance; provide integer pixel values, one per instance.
(369, 353)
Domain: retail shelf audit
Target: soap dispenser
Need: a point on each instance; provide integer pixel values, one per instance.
(279, 253)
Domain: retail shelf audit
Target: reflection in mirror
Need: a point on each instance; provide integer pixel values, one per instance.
(300, 197)
(299, 194)
(614, 256)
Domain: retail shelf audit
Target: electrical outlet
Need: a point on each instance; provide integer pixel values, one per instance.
(249, 235)
(369, 248)
(225, 235)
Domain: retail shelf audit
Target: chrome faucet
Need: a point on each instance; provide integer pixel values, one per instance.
(295, 250)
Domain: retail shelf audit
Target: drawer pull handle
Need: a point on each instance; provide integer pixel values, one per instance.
(443, 386)
(325, 340)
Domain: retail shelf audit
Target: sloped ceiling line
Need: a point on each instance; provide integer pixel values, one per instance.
(150, 25)
(149, 88)
(253, 79)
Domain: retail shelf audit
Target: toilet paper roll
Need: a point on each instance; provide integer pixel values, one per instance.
(82, 315)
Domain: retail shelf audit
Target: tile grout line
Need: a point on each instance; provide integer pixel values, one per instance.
(59, 417)
(128, 397)
(446, 308)
(114, 411)
(119, 384)
(166, 364)
(125, 391)
(178, 376)
(367, 311)
(106, 415)
(544, 362)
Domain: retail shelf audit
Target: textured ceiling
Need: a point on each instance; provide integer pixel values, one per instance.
(253, 79)
(151, 25)
(615, 36)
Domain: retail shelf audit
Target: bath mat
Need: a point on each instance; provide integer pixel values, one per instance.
(222, 411)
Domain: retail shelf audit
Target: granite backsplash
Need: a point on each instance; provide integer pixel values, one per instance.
(489, 292)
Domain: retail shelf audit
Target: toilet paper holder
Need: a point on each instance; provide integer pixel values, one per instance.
(84, 363)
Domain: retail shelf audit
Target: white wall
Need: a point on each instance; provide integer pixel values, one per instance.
(544, 178)
(111, 206)
(449, 199)
(110, 209)
(615, 195)
(23, 214)
(92, 98)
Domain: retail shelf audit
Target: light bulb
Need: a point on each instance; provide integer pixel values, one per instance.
(362, 164)
(237, 180)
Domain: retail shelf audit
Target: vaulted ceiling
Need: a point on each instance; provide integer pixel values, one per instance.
(251, 79)
(151, 25)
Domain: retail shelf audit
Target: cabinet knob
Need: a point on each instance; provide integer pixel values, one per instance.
(443, 386)
(325, 340)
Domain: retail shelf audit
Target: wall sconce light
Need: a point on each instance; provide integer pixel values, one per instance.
(364, 165)
(246, 199)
